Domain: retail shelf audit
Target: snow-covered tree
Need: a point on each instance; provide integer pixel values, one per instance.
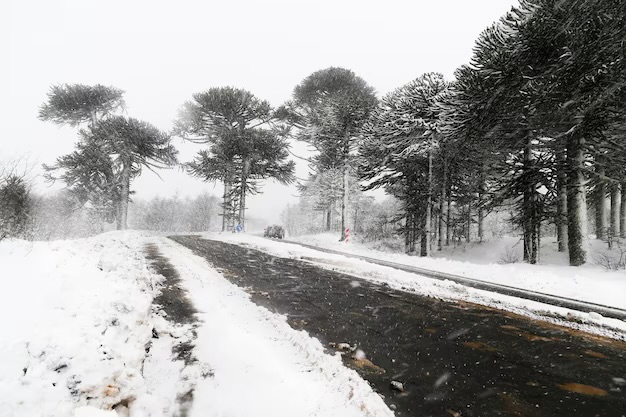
(132, 145)
(15, 206)
(88, 171)
(397, 152)
(328, 109)
(90, 176)
(108, 158)
(242, 149)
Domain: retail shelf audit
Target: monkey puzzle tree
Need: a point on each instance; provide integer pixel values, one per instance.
(132, 144)
(90, 177)
(110, 153)
(397, 153)
(329, 107)
(88, 171)
(240, 151)
(107, 159)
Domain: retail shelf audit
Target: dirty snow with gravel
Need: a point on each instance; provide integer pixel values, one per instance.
(82, 338)
(588, 283)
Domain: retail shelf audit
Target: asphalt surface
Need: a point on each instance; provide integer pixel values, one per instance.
(452, 359)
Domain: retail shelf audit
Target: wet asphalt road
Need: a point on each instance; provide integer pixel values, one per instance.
(454, 359)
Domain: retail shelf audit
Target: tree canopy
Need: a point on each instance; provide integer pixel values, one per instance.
(74, 104)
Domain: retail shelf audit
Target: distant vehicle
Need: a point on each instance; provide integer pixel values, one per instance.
(274, 231)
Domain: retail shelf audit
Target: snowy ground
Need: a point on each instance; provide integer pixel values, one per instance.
(75, 320)
(589, 283)
(79, 328)
(79, 339)
(484, 261)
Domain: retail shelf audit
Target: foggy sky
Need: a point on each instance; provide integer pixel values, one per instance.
(161, 52)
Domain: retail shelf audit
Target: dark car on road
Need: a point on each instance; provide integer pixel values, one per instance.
(274, 231)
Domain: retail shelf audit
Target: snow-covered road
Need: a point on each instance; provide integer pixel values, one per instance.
(446, 355)
(260, 365)
(82, 336)
(592, 285)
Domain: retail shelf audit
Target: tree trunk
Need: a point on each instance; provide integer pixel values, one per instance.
(468, 238)
(529, 212)
(614, 226)
(442, 198)
(561, 204)
(600, 203)
(481, 216)
(481, 209)
(423, 236)
(329, 216)
(481, 223)
(242, 206)
(407, 240)
(622, 212)
(125, 191)
(448, 214)
(410, 232)
(245, 170)
(344, 204)
(534, 239)
(225, 205)
(576, 201)
(118, 215)
(344, 201)
(242, 199)
(538, 241)
(429, 203)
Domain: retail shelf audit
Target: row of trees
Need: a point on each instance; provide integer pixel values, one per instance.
(534, 122)
(539, 113)
(175, 214)
(28, 215)
(244, 146)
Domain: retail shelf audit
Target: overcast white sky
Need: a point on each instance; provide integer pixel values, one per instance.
(161, 52)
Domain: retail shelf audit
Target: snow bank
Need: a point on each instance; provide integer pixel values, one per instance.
(75, 324)
(261, 366)
(81, 338)
(484, 261)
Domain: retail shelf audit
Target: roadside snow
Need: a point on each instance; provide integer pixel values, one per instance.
(81, 335)
(74, 320)
(261, 366)
(483, 261)
(587, 284)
